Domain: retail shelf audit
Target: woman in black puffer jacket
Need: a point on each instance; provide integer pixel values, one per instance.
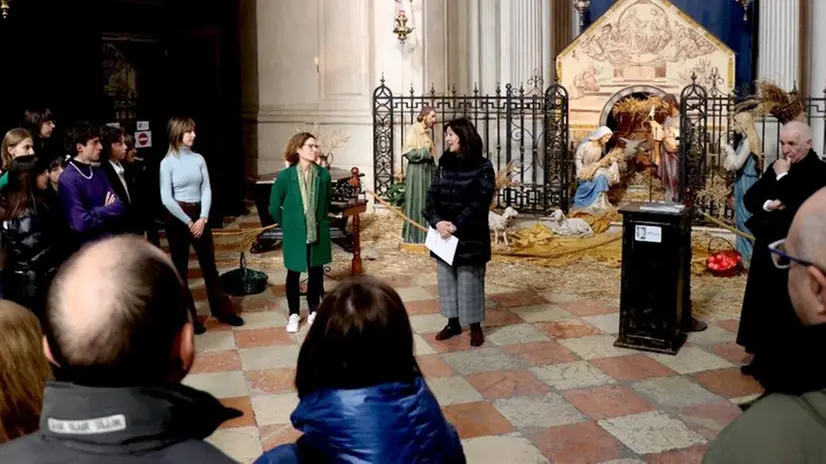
(457, 204)
(28, 226)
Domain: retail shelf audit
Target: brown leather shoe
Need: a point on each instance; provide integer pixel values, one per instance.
(448, 332)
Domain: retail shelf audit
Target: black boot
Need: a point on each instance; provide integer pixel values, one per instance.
(476, 335)
(196, 323)
(451, 329)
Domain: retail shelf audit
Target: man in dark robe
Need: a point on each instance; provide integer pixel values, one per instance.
(768, 326)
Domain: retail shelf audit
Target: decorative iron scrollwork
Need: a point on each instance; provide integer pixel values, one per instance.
(521, 124)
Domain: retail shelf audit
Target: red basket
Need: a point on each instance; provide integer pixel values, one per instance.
(732, 256)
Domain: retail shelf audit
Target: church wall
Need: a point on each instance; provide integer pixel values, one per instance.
(319, 62)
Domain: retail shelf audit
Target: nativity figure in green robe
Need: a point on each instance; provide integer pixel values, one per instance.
(421, 165)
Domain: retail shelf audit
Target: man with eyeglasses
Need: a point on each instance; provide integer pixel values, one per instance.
(791, 427)
(768, 326)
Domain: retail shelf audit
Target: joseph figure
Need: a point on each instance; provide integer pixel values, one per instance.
(418, 150)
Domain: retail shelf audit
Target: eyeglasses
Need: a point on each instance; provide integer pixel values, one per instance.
(782, 260)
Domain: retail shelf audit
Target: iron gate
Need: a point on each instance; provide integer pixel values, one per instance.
(706, 127)
(529, 126)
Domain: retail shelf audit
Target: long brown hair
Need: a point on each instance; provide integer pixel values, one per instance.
(294, 144)
(12, 139)
(176, 129)
(361, 338)
(22, 192)
(23, 371)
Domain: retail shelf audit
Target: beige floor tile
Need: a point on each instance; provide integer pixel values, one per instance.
(512, 448)
(269, 357)
(264, 320)
(541, 313)
(214, 340)
(274, 409)
(241, 444)
(220, 384)
(691, 359)
(566, 376)
(453, 390)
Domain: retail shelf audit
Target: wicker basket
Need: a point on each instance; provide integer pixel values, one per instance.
(243, 281)
(731, 253)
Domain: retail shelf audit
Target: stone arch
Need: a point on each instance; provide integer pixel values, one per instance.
(630, 90)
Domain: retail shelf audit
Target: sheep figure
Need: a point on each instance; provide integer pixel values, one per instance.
(499, 224)
(567, 227)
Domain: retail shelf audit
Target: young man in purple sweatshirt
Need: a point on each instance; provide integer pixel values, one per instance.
(85, 196)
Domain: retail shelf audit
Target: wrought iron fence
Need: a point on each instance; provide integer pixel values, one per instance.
(530, 125)
(527, 125)
(706, 113)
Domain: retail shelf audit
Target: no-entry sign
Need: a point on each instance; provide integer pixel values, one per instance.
(143, 139)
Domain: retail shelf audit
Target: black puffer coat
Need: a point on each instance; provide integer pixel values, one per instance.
(461, 193)
(31, 260)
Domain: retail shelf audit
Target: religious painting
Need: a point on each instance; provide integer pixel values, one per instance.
(637, 49)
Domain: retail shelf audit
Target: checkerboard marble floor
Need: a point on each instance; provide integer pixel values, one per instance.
(547, 386)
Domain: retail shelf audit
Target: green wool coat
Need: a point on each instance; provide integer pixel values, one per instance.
(287, 209)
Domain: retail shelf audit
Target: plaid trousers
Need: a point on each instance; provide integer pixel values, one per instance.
(462, 292)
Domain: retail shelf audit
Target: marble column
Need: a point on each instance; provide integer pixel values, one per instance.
(778, 57)
(817, 71)
(489, 45)
(521, 39)
(779, 42)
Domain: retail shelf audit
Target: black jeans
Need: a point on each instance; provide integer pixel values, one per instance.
(315, 287)
(180, 238)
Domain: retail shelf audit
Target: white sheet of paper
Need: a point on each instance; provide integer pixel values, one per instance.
(443, 248)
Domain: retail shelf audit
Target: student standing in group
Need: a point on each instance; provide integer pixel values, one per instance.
(86, 198)
(17, 142)
(40, 122)
(300, 204)
(187, 195)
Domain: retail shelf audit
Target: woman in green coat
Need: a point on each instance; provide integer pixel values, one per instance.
(300, 203)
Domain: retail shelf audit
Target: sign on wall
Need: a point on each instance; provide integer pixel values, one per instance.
(143, 139)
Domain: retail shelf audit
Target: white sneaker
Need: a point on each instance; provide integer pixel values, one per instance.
(292, 324)
(311, 318)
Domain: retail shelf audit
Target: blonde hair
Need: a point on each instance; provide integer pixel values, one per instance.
(176, 128)
(24, 371)
(746, 122)
(296, 141)
(13, 138)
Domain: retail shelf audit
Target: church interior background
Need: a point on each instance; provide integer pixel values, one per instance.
(536, 77)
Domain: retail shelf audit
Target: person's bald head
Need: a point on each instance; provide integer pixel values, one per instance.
(807, 242)
(795, 140)
(117, 315)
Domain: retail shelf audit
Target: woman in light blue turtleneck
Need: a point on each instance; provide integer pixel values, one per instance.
(187, 195)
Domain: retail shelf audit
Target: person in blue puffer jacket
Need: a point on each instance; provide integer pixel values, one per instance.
(362, 396)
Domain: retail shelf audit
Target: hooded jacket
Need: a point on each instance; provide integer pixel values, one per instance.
(122, 425)
(392, 422)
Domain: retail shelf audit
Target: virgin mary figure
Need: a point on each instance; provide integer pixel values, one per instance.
(418, 150)
(595, 176)
(744, 162)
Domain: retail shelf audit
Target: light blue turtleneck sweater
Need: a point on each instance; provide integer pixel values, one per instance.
(184, 177)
